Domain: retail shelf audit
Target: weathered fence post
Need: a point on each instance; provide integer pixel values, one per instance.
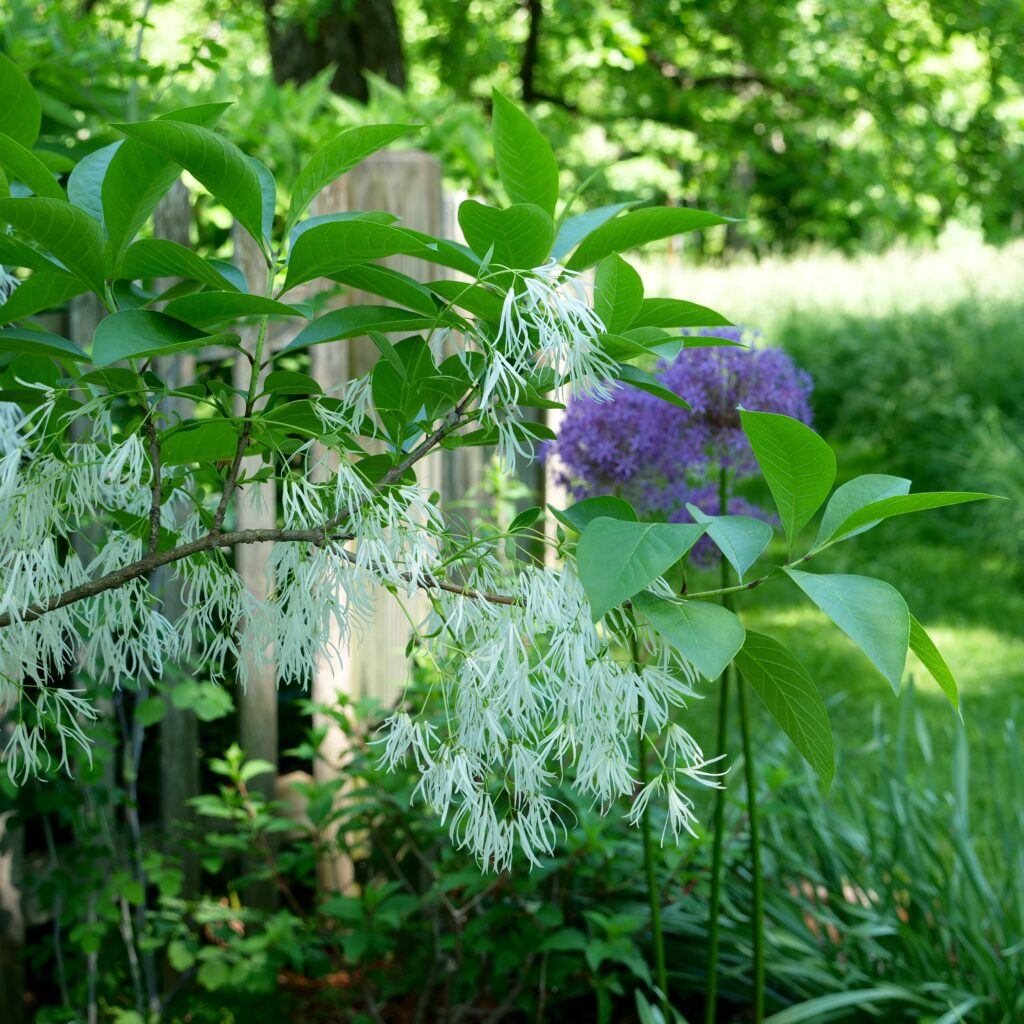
(256, 507)
(179, 728)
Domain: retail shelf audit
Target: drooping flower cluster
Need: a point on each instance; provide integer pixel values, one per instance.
(533, 688)
(661, 457)
(547, 322)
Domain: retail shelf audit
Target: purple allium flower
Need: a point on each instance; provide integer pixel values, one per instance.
(658, 456)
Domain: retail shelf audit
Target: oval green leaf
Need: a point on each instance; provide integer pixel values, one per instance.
(707, 635)
(797, 464)
(618, 559)
(870, 612)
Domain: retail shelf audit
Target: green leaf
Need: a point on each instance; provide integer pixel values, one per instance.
(483, 303)
(71, 235)
(20, 113)
(24, 166)
(158, 257)
(289, 382)
(904, 504)
(618, 559)
(870, 612)
(138, 178)
(578, 516)
(788, 692)
(142, 333)
(525, 519)
(17, 254)
(645, 381)
(85, 183)
(824, 1007)
(150, 711)
(180, 956)
(929, 655)
(523, 158)
(45, 289)
(797, 464)
(741, 539)
(39, 343)
(330, 248)
(574, 229)
(678, 313)
(854, 495)
(707, 635)
(521, 235)
(206, 308)
(221, 167)
(358, 321)
(268, 196)
(639, 228)
(390, 284)
(338, 157)
(618, 293)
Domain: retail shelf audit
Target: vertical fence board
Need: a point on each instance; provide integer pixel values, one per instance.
(255, 508)
(179, 728)
(407, 184)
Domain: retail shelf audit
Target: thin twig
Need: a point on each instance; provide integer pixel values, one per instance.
(156, 484)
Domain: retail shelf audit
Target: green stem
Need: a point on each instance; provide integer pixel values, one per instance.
(718, 842)
(653, 896)
(755, 858)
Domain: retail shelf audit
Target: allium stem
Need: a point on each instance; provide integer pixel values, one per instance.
(757, 914)
(653, 895)
(718, 841)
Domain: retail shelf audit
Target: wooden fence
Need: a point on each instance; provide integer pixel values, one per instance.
(372, 664)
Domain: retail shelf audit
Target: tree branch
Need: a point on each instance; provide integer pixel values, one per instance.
(216, 539)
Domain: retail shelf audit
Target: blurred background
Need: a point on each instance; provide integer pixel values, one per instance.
(873, 153)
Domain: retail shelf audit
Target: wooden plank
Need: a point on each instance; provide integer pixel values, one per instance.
(179, 728)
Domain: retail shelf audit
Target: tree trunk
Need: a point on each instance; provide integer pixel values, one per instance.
(355, 36)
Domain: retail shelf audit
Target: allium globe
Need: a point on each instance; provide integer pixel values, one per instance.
(658, 456)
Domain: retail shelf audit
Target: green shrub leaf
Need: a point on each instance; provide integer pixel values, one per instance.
(217, 164)
(870, 612)
(158, 257)
(707, 635)
(578, 516)
(141, 333)
(338, 245)
(638, 228)
(618, 559)
(741, 539)
(20, 112)
(138, 177)
(797, 464)
(929, 655)
(336, 158)
(520, 235)
(618, 293)
(904, 504)
(67, 232)
(22, 164)
(788, 692)
(523, 158)
(854, 495)
(43, 290)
